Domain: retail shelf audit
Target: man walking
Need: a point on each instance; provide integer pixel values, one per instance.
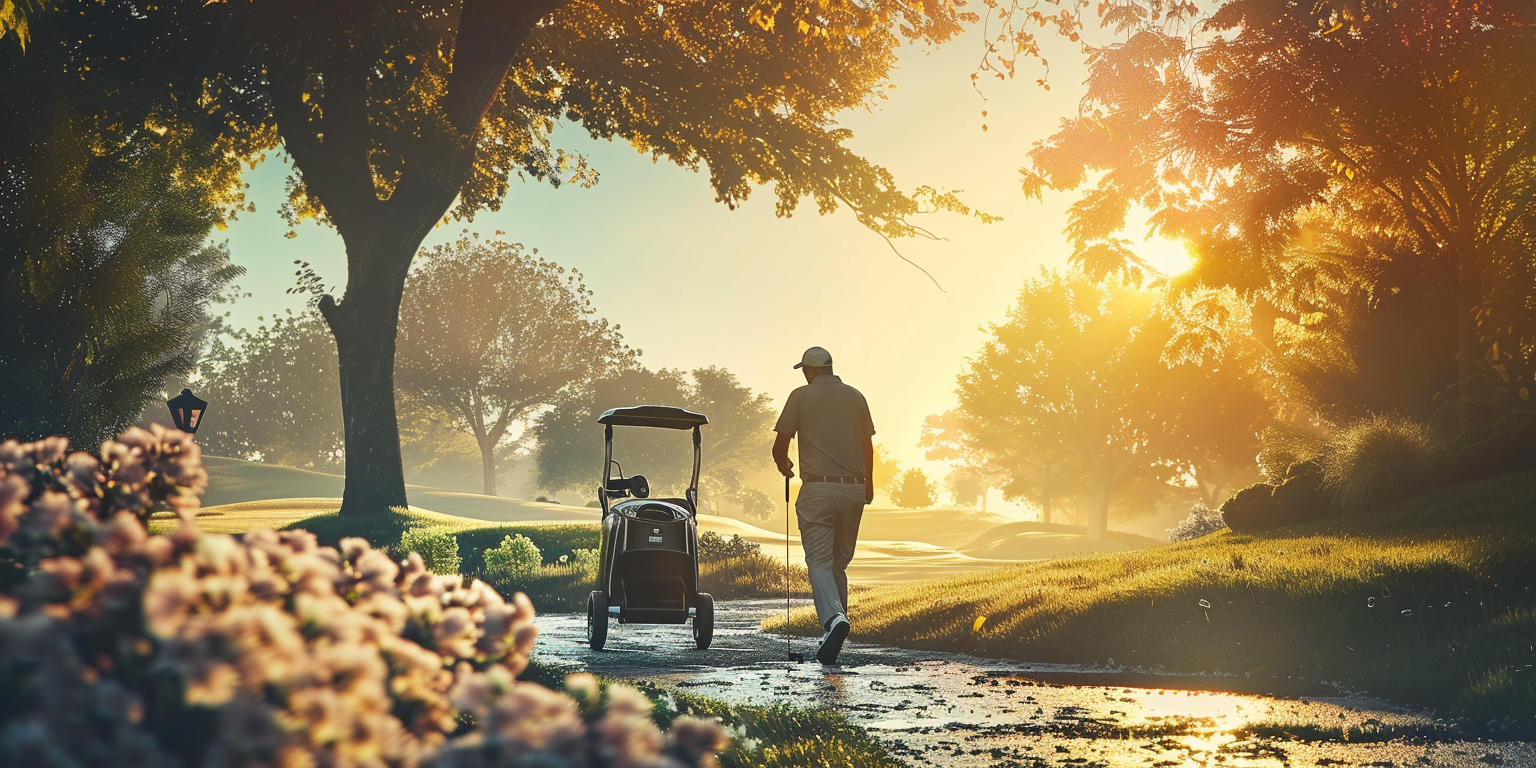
(837, 462)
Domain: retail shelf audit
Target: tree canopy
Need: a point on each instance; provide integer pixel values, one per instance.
(107, 283)
(395, 112)
(1086, 392)
(1300, 146)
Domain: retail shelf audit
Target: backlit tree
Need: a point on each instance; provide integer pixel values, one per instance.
(395, 114)
(1064, 391)
(490, 332)
(1262, 129)
(913, 490)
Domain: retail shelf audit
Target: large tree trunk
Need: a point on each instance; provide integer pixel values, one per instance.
(1098, 511)
(364, 324)
(1045, 510)
(487, 463)
(331, 147)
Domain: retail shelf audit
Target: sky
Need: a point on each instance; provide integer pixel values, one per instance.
(693, 284)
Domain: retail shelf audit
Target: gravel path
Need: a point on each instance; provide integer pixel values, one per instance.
(952, 710)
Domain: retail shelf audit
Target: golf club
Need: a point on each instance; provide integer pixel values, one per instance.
(792, 656)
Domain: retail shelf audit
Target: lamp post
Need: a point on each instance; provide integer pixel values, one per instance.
(187, 411)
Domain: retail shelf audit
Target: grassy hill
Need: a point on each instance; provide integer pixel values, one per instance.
(302, 493)
(1028, 540)
(1430, 601)
(894, 545)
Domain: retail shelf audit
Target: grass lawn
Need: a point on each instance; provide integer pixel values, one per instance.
(895, 544)
(1428, 602)
(555, 587)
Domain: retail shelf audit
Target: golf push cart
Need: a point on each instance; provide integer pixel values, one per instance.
(648, 571)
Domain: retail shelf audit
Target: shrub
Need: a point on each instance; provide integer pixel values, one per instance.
(914, 490)
(1376, 460)
(587, 560)
(1251, 510)
(756, 575)
(438, 548)
(1200, 522)
(1302, 496)
(714, 548)
(516, 557)
(121, 648)
(1282, 449)
(1488, 450)
(1299, 498)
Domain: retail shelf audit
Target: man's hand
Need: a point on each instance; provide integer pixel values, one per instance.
(869, 469)
(781, 455)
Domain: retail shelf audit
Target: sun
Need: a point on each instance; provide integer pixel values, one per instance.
(1170, 257)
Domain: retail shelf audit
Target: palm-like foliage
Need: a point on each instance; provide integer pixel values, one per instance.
(105, 277)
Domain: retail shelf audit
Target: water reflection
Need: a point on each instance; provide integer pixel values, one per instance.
(944, 709)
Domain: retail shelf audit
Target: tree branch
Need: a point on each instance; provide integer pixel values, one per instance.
(330, 151)
(491, 32)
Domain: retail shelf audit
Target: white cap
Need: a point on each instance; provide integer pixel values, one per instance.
(815, 357)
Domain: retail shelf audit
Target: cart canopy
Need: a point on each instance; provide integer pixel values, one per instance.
(662, 416)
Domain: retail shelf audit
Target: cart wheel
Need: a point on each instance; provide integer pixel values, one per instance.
(597, 620)
(704, 621)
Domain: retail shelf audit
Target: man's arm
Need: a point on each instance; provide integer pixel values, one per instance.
(781, 455)
(869, 469)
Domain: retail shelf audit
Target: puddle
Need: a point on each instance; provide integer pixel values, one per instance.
(933, 708)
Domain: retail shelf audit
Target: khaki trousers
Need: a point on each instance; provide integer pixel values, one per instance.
(829, 515)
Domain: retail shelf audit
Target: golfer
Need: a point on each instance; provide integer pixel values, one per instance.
(837, 462)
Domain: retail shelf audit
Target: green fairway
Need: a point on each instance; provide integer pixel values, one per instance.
(1428, 601)
(301, 493)
(894, 545)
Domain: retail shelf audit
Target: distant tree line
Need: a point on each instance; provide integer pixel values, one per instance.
(502, 356)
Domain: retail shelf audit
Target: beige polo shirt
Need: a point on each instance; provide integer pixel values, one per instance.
(832, 421)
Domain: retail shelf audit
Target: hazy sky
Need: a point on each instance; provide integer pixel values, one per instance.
(694, 284)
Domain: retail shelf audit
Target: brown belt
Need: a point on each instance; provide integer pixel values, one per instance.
(840, 479)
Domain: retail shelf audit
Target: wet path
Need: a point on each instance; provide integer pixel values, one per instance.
(947, 709)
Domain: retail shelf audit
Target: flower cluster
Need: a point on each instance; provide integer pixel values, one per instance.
(121, 648)
(1200, 522)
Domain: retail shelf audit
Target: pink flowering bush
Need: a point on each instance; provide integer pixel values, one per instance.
(124, 649)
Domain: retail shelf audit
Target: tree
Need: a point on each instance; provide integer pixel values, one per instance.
(737, 441)
(394, 112)
(1064, 388)
(967, 486)
(1214, 390)
(273, 399)
(272, 395)
(1268, 132)
(490, 333)
(435, 449)
(887, 472)
(106, 281)
(1106, 390)
(914, 491)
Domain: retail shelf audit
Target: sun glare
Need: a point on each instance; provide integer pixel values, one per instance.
(1170, 257)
